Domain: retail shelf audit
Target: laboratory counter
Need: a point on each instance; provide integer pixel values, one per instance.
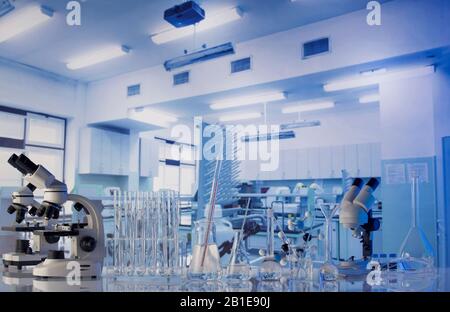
(398, 282)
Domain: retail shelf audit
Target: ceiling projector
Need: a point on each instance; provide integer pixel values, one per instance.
(185, 14)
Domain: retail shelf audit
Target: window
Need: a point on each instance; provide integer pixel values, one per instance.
(177, 168)
(45, 131)
(40, 137)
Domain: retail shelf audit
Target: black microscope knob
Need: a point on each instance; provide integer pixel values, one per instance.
(88, 244)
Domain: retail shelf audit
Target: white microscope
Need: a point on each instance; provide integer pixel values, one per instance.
(87, 239)
(356, 214)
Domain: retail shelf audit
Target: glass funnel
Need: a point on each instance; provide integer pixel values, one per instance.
(205, 263)
(328, 271)
(416, 252)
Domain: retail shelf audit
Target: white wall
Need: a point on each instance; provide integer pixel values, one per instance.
(278, 56)
(34, 90)
(407, 118)
(340, 127)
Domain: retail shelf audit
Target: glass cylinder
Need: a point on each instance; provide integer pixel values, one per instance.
(205, 263)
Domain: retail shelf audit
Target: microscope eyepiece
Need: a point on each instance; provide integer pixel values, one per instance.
(26, 164)
(358, 182)
(13, 162)
(373, 183)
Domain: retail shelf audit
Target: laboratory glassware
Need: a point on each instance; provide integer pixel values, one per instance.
(328, 271)
(205, 263)
(238, 267)
(416, 252)
(146, 233)
(270, 270)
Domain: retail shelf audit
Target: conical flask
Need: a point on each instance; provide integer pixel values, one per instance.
(416, 251)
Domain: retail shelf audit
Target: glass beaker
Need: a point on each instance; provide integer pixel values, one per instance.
(239, 267)
(205, 263)
(328, 271)
(416, 252)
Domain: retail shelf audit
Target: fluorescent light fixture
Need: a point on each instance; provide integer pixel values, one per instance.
(22, 20)
(307, 107)
(282, 135)
(365, 81)
(301, 124)
(211, 21)
(96, 57)
(371, 98)
(248, 100)
(152, 116)
(240, 116)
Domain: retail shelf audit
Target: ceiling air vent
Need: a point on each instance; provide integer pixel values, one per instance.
(241, 65)
(134, 90)
(181, 78)
(316, 47)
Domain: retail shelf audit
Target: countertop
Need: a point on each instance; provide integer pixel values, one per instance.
(392, 283)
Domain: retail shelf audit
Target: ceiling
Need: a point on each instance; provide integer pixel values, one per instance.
(299, 89)
(106, 22)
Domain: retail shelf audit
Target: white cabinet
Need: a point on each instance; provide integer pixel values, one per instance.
(124, 150)
(337, 161)
(302, 164)
(149, 158)
(288, 164)
(376, 159)
(351, 159)
(364, 160)
(326, 163)
(103, 152)
(313, 163)
(249, 170)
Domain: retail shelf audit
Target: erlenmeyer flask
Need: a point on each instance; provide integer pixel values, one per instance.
(416, 251)
(205, 263)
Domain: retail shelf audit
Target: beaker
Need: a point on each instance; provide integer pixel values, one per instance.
(205, 263)
(328, 271)
(416, 252)
(238, 267)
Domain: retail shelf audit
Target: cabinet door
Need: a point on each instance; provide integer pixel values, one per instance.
(149, 158)
(288, 164)
(270, 175)
(124, 154)
(338, 161)
(252, 170)
(115, 153)
(326, 164)
(313, 163)
(364, 160)
(302, 164)
(95, 151)
(106, 158)
(351, 160)
(376, 159)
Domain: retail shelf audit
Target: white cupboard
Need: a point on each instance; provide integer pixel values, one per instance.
(149, 158)
(103, 152)
(360, 160)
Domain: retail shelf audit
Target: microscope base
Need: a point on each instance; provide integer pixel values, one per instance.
(66, 268)
(20, 260)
